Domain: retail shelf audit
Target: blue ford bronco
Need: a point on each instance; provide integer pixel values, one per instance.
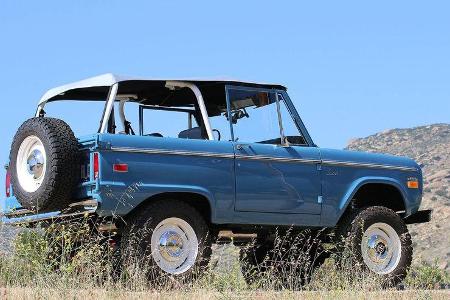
(196, 161)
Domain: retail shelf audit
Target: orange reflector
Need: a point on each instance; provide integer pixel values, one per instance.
(120, 168)
(413, 184)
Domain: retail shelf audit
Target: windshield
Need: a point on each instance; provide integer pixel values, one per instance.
(258, 117)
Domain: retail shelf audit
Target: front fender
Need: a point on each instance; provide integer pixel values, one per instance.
(354, 187)
(333, 208)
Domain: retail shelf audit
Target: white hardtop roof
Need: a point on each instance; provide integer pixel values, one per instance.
(109, 79)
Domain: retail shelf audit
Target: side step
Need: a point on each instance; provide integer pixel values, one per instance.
(227, 236)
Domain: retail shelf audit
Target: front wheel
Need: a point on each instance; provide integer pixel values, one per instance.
(168, 238)
(379, 240)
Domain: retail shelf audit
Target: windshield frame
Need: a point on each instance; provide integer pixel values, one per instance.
(290, 107)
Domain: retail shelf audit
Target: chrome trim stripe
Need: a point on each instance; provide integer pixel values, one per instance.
(365, 165)
(261, 158)
(172, 152)
(279, 159)
(211, 154)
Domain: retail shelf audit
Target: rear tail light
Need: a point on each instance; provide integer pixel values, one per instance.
(96, 165)
(8, 183)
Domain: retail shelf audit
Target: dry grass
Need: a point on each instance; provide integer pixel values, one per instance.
(35, 293)
(71, 261)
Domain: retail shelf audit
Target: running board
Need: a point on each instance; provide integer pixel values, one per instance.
(226, 236)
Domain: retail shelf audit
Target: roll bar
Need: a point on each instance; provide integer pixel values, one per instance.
(169, 84)
(200, 101)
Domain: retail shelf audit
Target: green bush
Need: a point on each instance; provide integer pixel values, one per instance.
(427, 276)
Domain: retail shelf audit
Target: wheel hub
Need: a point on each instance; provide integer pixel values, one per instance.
(381, 248)
(170, 245)
(174, 245)
(377, 248)
(35, 163)
(31, 163)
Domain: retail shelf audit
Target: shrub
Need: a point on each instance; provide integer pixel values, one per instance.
(427, 276)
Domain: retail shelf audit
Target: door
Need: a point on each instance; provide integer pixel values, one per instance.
(276, 170)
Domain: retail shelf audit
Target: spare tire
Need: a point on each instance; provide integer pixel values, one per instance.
(44, 163)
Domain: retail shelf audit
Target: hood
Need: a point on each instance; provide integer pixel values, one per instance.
(368, 158)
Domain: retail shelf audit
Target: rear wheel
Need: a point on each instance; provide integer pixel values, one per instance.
(379, 240)
(170, 238)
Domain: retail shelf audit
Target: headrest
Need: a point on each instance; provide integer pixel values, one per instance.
(193, 134)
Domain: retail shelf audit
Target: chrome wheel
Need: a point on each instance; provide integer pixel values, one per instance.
(381, 248)
(31, 163)
(174, 246)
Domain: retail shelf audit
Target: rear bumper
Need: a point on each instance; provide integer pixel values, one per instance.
(422, 216)
(28, 217)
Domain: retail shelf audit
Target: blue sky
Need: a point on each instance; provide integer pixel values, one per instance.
(352, 68)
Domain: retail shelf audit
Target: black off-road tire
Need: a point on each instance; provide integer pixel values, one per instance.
(351, 230)
(62, 170)
(136, 240)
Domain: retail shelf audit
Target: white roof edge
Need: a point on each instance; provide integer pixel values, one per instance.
(100, 80)
(109, 79)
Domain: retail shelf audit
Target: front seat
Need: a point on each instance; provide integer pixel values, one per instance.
(193, 134)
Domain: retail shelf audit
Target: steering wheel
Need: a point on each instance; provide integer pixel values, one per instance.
(218, 133)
